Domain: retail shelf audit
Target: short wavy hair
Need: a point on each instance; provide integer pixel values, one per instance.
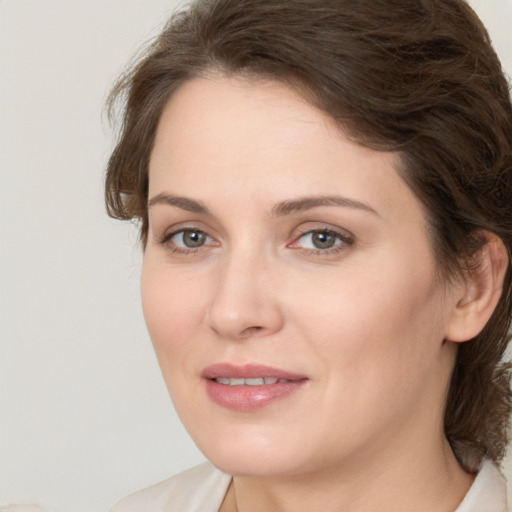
(418, 77)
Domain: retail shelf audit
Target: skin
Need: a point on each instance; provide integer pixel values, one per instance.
(367, 321)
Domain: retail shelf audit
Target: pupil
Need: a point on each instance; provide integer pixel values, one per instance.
(193, 238)
(323, 240)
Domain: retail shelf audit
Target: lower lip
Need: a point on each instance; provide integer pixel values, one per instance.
(249, 398)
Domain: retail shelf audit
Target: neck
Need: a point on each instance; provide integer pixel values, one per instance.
(400, 481)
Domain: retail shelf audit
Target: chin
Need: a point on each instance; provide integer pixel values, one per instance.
(241, 464)
(250, 455)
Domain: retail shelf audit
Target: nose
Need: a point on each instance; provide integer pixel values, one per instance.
(245, 299)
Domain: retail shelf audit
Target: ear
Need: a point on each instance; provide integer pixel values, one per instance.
(480, 292)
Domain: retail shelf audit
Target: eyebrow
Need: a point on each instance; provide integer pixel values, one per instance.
(190, 205)
(306, 203)
(279, 210)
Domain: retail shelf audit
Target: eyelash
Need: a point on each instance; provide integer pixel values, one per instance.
(343, 240)
(182, 250)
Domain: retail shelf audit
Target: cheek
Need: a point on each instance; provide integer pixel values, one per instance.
(383, 327)
(378, 350)
(172, 310)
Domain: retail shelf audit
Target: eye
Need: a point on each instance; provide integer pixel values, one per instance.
(323, 240)
(319, 240)
(188, 239)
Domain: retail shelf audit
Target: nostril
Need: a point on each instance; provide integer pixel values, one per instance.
(251, 331)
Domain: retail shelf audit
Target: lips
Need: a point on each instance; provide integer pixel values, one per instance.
(249, 387)
(257, 381)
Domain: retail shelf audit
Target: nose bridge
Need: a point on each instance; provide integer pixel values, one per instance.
(244, 301)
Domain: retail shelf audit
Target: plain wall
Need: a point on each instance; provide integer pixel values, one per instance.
(84, 414)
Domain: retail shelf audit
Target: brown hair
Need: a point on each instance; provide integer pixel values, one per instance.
(415, 76)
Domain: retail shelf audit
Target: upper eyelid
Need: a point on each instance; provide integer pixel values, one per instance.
(187, 226)
(342, 237)
(168, 234)
(175, 248)
(302, 229)
(319, 227)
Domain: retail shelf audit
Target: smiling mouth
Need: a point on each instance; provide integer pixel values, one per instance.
(258, 381)
(249, 387)
(249, 374)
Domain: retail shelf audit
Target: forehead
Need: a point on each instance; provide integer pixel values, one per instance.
(262, 139)
(221, 110)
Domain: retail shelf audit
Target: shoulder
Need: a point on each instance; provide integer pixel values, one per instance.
(198, 489)
(488, 492)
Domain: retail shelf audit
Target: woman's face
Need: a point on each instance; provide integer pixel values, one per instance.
(289, 285)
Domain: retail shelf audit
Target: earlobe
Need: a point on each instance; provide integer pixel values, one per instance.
(481, 291)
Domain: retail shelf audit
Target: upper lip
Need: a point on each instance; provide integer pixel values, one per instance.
(248, 371)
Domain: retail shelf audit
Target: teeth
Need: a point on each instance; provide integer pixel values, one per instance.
(259, 381)
(254, 382)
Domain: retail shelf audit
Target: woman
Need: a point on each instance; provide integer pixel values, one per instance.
(324, 190)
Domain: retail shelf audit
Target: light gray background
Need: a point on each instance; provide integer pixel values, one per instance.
(84, 414)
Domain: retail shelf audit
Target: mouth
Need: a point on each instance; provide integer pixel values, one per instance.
(258, 381)
(249, 387)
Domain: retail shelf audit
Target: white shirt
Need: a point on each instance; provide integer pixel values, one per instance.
(202, 489)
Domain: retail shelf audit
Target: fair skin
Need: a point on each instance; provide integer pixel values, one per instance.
(341, 293)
